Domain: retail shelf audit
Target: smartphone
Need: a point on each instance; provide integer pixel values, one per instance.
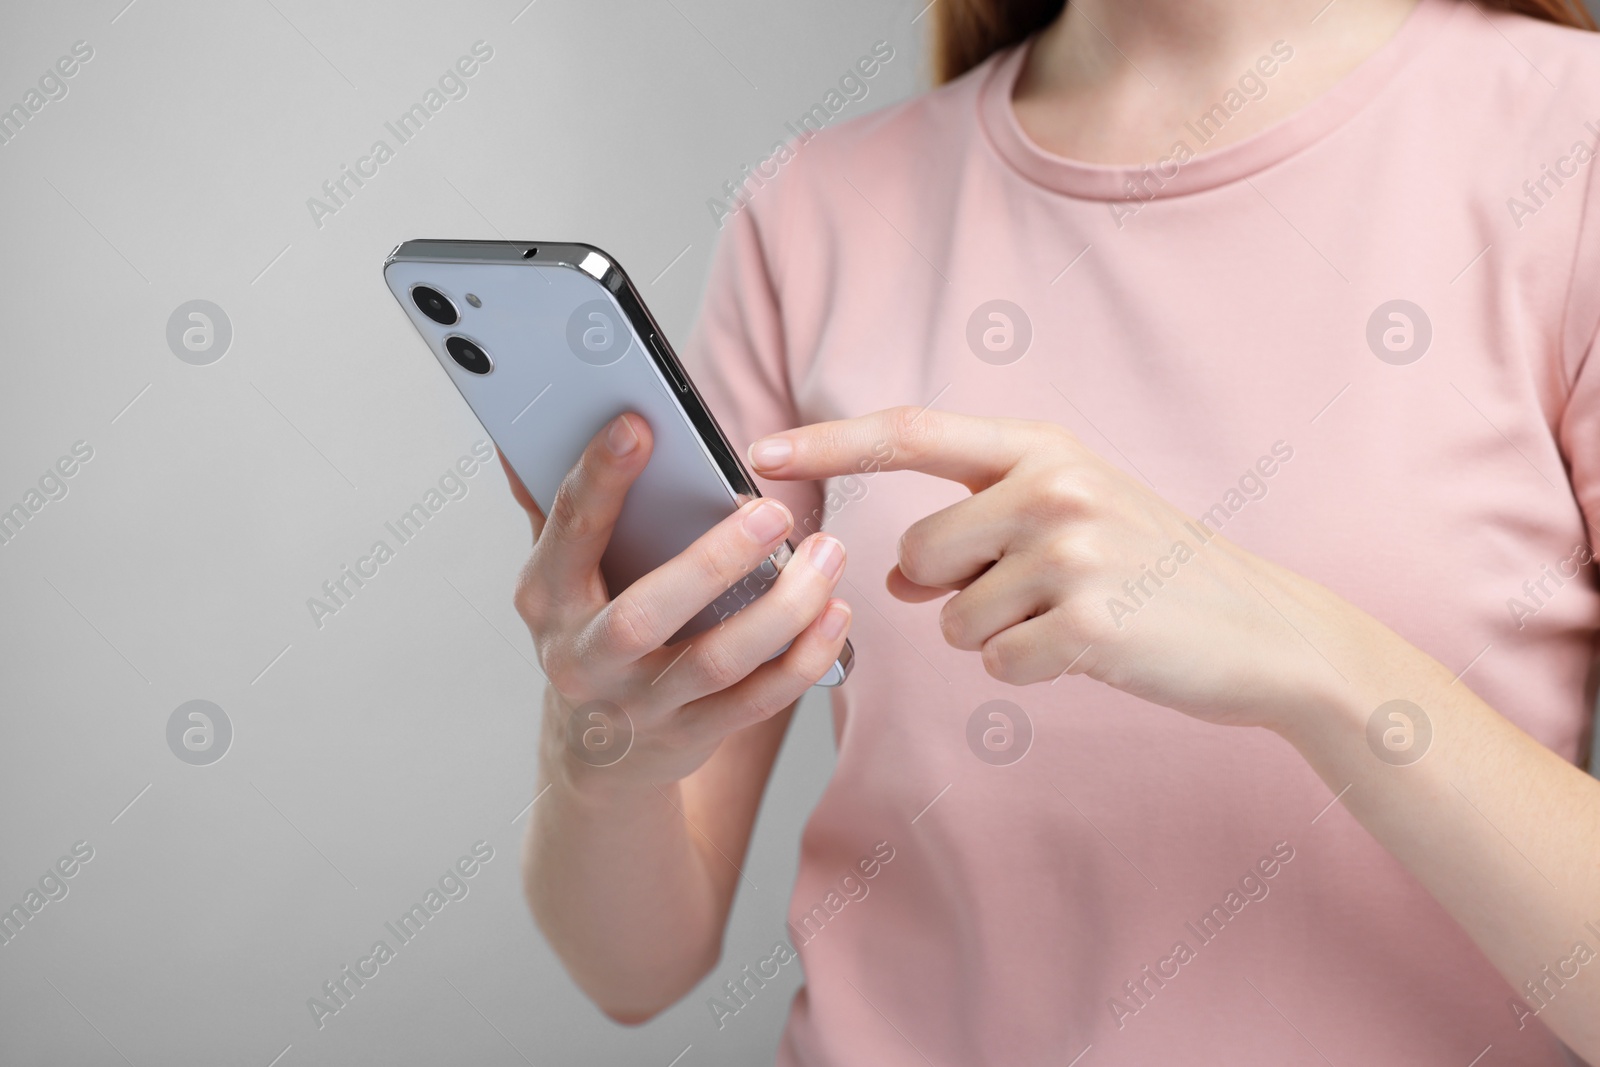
(549, 342)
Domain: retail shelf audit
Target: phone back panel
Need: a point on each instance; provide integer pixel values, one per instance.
(566, 360)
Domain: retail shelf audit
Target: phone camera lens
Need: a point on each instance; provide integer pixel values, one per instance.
(435, 305)
(468, 355)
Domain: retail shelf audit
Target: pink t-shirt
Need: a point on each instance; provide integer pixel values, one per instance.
(1141, 885)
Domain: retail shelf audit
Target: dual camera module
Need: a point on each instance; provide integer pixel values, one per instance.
(438, 307)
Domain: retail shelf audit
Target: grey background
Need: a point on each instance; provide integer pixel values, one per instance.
(370, 754)
(373, 752)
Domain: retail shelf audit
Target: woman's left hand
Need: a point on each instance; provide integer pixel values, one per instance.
(1063, 563)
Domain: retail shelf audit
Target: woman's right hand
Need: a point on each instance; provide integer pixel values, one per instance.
(603, 656)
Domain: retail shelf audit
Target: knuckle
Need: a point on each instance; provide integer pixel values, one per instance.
(722, 566)
(1052, 439)
(799, 669)
(716, 666)
(1067, 556)
(807, 669)
(1063, 493)
(534, 601)
(1080, 619)
(814, 655)
(910, 429)
(626, 626)
(569, 519)
(912, 555)
(562, 669)
(956, 626)
(568, 522)
(1001, 662)
(771, 699)
(794, 601)
(529, 599)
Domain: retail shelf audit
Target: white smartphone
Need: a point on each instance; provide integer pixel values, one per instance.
(549, 342)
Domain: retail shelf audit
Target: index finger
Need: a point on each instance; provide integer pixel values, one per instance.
(977, 452)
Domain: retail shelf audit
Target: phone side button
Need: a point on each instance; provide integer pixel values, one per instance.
(667, 365)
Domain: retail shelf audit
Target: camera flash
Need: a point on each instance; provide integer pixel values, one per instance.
(472, 298)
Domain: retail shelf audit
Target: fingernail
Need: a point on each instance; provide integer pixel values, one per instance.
(827, 555)
(770, 452)
(833, 621)
(620, 438)
(769, 521)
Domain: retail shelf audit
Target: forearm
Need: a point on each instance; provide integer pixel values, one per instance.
(1098, 575)
(619, 884)
(1502, 831)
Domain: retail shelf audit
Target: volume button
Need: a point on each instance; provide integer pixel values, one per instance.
(667, 365)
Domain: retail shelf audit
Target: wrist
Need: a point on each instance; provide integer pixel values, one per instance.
(1338, 666)
(1329, 715)
(604, 790)
(588, 776)
(1370, 676)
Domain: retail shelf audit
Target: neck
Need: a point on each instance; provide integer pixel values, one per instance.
(1110, 80)
(1180, 34)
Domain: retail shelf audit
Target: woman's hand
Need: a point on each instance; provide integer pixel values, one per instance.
(629, 709)
(653, 757)
(1065, 564)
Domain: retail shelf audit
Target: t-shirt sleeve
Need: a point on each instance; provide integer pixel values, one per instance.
(737, 356)
(1579, 436)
